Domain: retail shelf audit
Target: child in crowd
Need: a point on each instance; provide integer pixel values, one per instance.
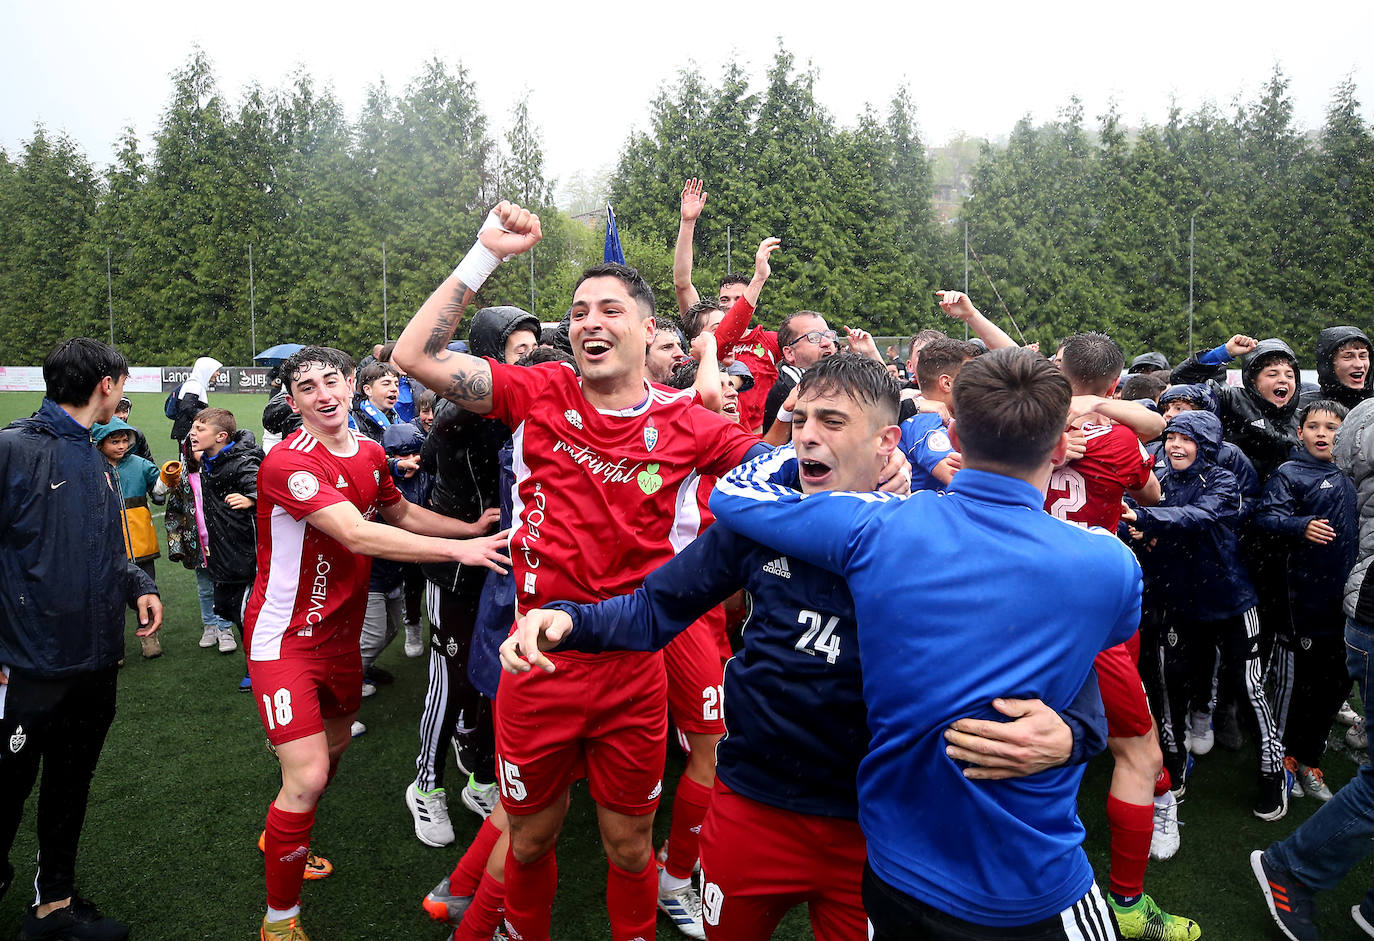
(230, 458)
(1198, 590)
(403, 443)
(140, 445)
(1311, 505)
(139, 482)
(374, 408)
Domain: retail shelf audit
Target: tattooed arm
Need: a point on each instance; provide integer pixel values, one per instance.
(422, 349)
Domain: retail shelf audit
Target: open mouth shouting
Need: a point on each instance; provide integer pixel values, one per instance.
(812, 471)
(596, 349)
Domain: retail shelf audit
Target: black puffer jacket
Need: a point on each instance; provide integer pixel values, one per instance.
(1264, 431)
(461, 450)
(1328, 341)
(233, 533)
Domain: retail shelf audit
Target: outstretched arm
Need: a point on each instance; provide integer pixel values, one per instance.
(707, 384)
(693, 199)
(736, 320)
(958, 306)
(1146, 423)
(422, 349)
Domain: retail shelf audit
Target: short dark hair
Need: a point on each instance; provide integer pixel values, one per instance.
(425, 400)
(313, 356)
(1091, 358)
(863, 379)
(923, 338)
(1011, 406)
(787, 335)
(126, 404)
(670, 324)
(634, 282)
(384, 354)
(73, 368)
(1144, 385)
(1322, 405)
(220, 419)
(374, 371)
(547, 354)
(735, 279)
(695, 317)
(942, 357)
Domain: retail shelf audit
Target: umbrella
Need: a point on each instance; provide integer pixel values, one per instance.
(274, 355)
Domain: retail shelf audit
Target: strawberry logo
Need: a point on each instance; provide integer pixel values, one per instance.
(649, 479)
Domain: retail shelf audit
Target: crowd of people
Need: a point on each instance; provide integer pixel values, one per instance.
(711, 533)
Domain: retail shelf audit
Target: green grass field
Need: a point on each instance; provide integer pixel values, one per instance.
(184, 781)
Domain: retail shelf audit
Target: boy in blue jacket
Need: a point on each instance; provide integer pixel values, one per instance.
(1198, 588)
(1310, 504)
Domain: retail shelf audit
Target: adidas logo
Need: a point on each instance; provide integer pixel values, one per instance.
(299, 852)
(1326, 485)
(341, 482)
(1258, 423)
(658, 789)
(778, 567)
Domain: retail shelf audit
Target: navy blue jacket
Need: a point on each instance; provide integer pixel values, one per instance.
(1228, 455)
(796, 722)
(1300, 491)
(64, 577)
(1195, 569)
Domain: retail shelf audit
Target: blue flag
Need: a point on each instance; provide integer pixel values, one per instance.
(613, 251)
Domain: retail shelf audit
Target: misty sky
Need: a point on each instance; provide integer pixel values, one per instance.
(90, 69)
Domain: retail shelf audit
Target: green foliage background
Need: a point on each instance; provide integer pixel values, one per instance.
(1078, 223)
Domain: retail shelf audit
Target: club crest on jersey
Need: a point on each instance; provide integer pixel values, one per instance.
(573, 418)
(377, 477)
(650, 435)
(302, 485)
(17, 740)
(1305, 643)
(452, 648)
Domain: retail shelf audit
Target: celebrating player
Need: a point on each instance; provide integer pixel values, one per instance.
(601, 461)
(318, 494)
(781, 828)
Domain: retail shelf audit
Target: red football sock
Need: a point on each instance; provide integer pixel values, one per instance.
(467, 875)
(684, 839)
(1163, 782)
(530, 889)
(1132, 826)
(632, 901)
(285, 849)
(485, 912)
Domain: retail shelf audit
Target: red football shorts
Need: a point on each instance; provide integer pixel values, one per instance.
(605, 712)
(695, 676)
(296, 695)
(1123, 695)
(758, 861)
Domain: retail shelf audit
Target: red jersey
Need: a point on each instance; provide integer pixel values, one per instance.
(310, 593)
(757, 349)
(602, 498)
(1088, 491)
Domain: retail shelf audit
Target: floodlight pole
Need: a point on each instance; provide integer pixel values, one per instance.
(252, 309)
(386, 327)
(727, 251)
(109, 292)
(1192, 220)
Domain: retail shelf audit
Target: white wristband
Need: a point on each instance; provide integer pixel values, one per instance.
(784, 416)
(478, 264)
